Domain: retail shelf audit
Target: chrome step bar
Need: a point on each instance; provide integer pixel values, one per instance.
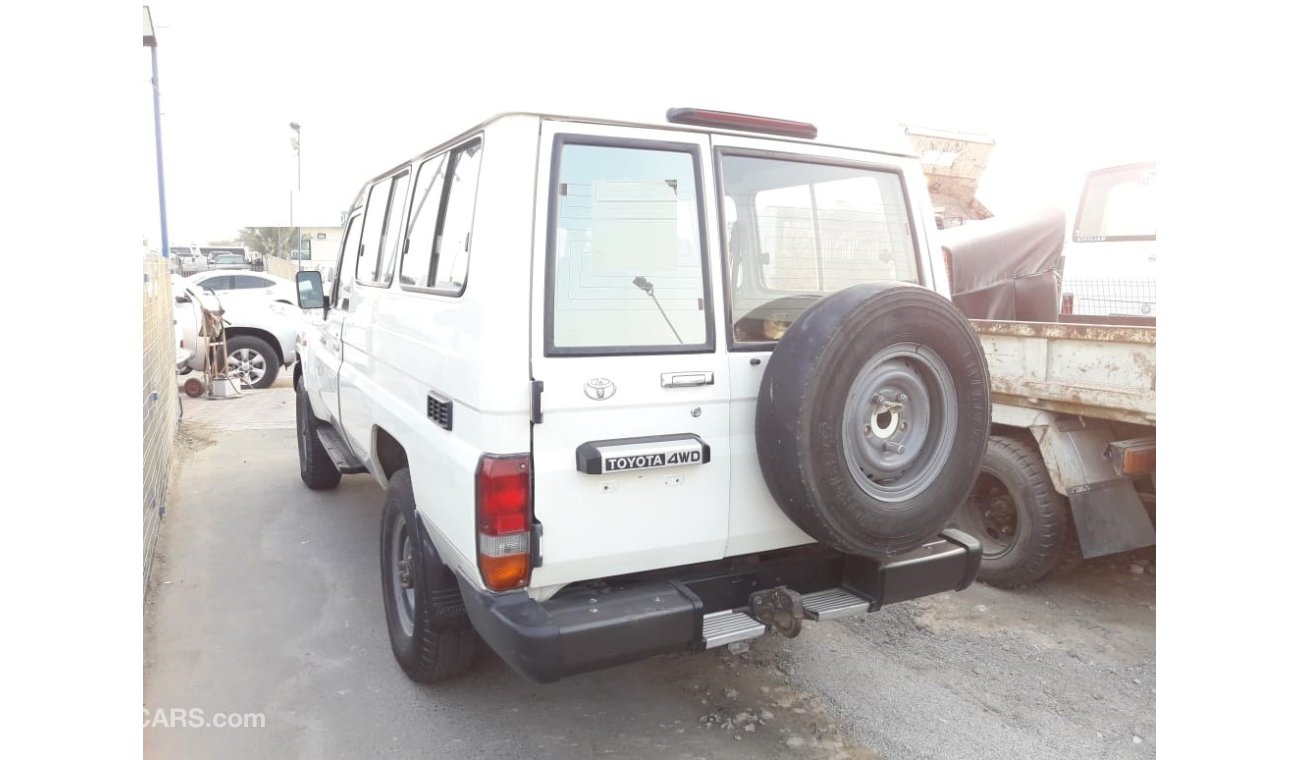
(730, 626)
(833, 603)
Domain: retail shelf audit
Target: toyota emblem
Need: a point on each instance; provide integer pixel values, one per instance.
(599, 388)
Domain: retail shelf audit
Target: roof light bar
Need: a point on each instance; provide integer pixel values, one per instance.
(700, 117)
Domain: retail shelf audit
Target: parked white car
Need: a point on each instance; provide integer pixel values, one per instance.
(1110, 255)
(261, 331)
(245, 281)
(643, 388)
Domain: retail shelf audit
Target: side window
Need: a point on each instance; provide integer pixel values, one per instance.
(220, 282)
(347, 262)
(453, 240)
(625, 251)
(246, 282)
(372, 230)
(417, 264)
(392, 229)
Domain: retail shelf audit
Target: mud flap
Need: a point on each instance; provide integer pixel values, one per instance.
(1109, 518)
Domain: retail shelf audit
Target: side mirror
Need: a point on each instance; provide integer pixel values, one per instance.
(311, 293)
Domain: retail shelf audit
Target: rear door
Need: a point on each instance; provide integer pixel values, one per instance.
(631, 451)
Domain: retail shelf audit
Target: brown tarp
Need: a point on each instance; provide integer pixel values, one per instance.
(1007, 267)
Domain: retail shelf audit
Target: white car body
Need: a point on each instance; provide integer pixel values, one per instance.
(369, 368)
(252, 313)
(1110, 255)
(223, 281)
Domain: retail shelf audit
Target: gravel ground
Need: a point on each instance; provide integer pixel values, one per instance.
(266, 599)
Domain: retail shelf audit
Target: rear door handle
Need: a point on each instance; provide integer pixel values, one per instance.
(685, 379)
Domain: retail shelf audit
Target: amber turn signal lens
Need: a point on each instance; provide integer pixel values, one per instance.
(504, 573)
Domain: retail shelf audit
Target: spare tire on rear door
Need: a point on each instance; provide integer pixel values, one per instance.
(872, 417)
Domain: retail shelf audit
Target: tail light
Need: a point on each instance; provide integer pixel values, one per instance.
(1134, 456)
(701, 117)
(947, 270)
(1067, 303)
(504, 518)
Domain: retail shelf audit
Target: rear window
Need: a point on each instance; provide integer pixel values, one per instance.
(1118, 204)
(796, 231)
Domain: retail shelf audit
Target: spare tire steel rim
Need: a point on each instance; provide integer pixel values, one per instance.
(900, 422)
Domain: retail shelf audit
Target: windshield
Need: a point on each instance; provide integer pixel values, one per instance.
(1118, 204)
(798, 230)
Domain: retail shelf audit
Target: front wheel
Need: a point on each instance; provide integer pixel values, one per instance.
(314, 463)
(1020, 520)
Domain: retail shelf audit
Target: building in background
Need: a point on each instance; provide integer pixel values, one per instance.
(953, 163)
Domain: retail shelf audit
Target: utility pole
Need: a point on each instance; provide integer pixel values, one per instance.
(151, 42)
(297, 149)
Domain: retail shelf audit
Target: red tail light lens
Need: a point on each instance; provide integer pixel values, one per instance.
(1067, 303)
(504, 520)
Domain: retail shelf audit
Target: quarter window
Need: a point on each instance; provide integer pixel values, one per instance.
(626, 254)
(347, 262)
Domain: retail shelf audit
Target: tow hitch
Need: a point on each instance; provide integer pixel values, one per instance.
(779, 607)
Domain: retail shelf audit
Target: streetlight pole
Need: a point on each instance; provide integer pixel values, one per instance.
(297, 149)
(151, 42)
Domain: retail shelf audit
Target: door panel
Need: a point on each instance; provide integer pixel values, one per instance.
(623, 340)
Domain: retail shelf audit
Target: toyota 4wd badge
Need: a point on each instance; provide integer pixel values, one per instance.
(599, 389)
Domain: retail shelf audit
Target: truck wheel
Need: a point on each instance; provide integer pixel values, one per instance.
(314, 463)
(1019, 518)
(872, 417)
(429, 645)
(251, 361)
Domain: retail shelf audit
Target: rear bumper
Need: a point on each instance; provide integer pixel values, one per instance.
(622, 620)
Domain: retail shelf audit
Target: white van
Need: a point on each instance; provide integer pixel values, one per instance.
(1110, 258)
(637, 388)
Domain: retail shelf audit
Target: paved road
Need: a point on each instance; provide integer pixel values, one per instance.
(266, 600)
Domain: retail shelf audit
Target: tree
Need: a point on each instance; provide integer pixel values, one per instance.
(270, 241)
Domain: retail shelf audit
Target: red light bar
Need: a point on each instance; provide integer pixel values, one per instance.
(700, 117)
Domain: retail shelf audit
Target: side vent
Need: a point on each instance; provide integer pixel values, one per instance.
(440, 410)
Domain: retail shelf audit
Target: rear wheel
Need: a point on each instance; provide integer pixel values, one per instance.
(1021, 521)
(431, 641)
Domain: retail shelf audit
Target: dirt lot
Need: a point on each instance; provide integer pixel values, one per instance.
(266, 600)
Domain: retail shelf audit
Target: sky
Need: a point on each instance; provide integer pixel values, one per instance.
(374, 85)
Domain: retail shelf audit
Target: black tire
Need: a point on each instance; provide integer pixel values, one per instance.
(1021, 521)
(262, 357)
(841, 490)
(314, 463)
(428, 645)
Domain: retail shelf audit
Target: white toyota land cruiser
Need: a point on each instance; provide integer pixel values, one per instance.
(643, 388)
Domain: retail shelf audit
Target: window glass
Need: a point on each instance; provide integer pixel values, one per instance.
(420, 235)
(803, 230)
(216, 283)
(243, 281)
(392, 229)
(372, 231)
(627, 255)
(453, 240)
(1118, 204)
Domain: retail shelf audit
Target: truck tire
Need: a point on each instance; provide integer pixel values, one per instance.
(872, 417)
(427, 646)
(1022, 522)
(252, 361)
(314, 463)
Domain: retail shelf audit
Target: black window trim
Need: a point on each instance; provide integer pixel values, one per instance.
(383, 234)
(354, 215)
(719, 152)
(548, 331)
(448, 152)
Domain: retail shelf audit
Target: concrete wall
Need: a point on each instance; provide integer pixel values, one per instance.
(161, 405)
